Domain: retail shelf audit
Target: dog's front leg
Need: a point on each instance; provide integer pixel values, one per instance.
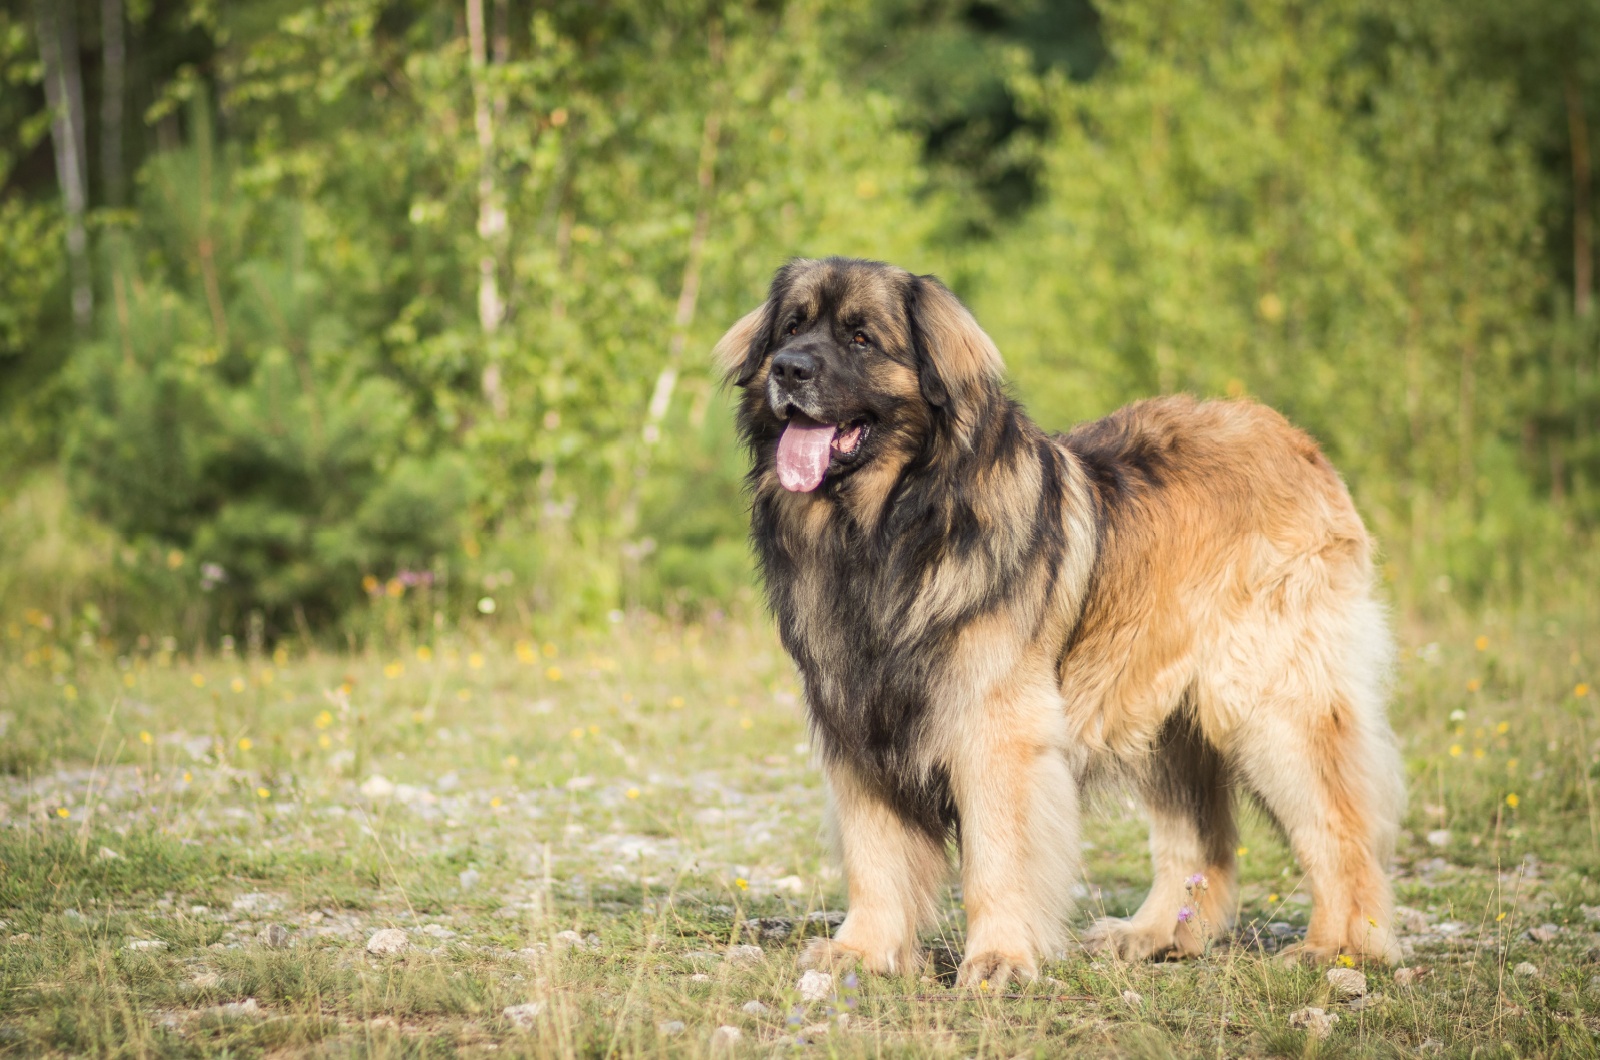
(894, 871)
(1018, 804)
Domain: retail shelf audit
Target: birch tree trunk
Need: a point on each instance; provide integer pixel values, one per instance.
(491, 211)
(63, 90)
(689, 290)
(683, 315)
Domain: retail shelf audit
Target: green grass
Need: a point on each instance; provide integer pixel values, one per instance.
(650, 791)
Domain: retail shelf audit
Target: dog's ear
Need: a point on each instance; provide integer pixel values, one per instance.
(740, 352)
(956, 360)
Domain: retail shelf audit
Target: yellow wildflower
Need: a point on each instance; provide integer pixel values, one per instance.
(553, 674)
(549, 650)
(62, 811)
(262, 793)
(71, 692)
(1581, 689)
(676, 702)
(1503, 728)
(424, 653)
(145, 738)
(746, 723)
(394, 669)
(1482, 643)
(633, 793)
(237, 684)
(198, 680)
(1474, 684)
(1455, 750)
(1512, 800)
(495, 802)
(475, 660)
(128, 680)
(1241, 852)
(245, 743)
(324, 720)
(527, 654)
(324, 741)
(742, 883)
(512, 761)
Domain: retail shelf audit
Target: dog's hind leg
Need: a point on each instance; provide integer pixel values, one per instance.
(1192, 839)
(893, 870)
(1319, 752)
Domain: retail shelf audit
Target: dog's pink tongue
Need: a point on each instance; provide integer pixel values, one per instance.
(803, 455)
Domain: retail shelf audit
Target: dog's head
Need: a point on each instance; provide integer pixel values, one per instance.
(849, 362)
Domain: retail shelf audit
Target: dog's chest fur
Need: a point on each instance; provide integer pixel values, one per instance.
(872, 615)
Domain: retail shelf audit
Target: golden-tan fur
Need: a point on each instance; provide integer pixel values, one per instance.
(987, 619)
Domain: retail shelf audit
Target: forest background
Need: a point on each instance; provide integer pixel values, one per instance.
(324, 318)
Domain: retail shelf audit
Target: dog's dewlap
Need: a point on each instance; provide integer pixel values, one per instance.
(803, 454)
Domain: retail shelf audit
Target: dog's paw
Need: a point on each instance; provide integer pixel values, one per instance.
(1127, 940)
(991, 970)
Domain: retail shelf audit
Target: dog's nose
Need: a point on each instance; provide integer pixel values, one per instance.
(795, 366)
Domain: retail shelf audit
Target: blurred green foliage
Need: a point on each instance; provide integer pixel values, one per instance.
(386, 318)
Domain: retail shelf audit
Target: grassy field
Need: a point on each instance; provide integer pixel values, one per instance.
(609, 845)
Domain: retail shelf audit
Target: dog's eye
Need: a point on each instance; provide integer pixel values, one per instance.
(794, 327)
(860, 338)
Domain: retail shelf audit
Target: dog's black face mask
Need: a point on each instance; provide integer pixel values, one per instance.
(848, 360)
(822, 382)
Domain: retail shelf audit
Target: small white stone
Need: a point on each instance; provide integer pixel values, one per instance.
(568, 940)
(1411, 921)
(469, 879)
(377, 786)
(754, 1008)
(725, 1036)
(256, 902)
(745, 954)
(1439, 837)
(207, 981)
(147, 944)
(523, 1016)
(239, 1009)
(274, 935)
(1544, 933)
(699, 977)
(815, 985)
(1133, 998)
(1314, 1021)
(670, 1027)
(1347, 983)
(1525, 969)
(388, 941)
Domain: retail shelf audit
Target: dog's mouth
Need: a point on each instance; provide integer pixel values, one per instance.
(809, 450)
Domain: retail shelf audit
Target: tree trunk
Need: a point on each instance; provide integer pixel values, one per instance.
(113, 79)
(1582, 209)
(491, 212)
(63, 89)
(689, 291)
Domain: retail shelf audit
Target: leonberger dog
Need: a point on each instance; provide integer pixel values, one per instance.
(989, 619)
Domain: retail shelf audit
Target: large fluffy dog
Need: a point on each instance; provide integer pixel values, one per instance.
(988, 618)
